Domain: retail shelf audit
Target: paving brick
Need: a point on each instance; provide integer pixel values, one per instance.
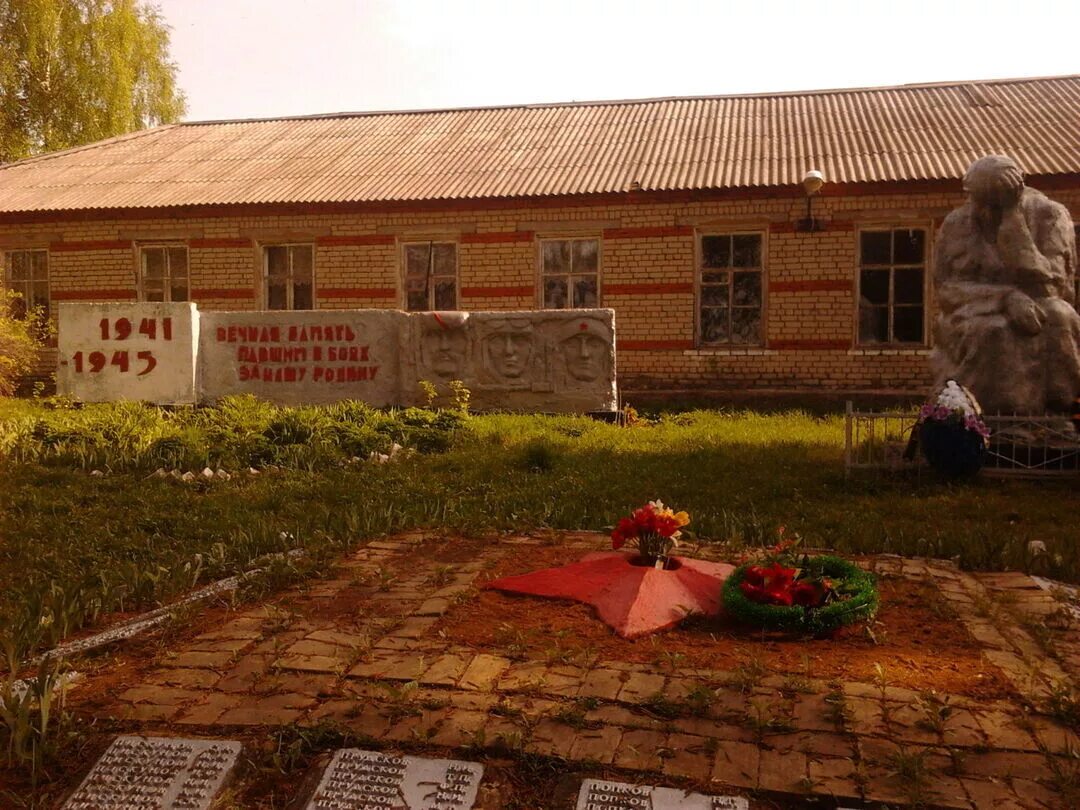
(596, 745)
(690, 757)
(989, 794)
(736, 764)
(415, 627)
(276, 710)
(209, 710)
(525, 676)
(604, 684)
(196, 659)
(551, 738)
(640, 749)
(641, 686)
(391, 666)
(483, 672)
(834, 776)
(446, 670)
(311, 663)
(459, 728)
(783, 771)
(191, 678)
(161, 695)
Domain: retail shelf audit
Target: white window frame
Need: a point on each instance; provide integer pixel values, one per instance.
(541, 275)
(26, 288)
(290, 284)
(923, 342)
(141, 249)
(432, 278)
(699, 269)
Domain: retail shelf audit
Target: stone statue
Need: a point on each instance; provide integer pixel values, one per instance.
(1004, 276)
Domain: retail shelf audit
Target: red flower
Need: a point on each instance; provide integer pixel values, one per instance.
(625, 530)
(807, 594)
(770, 586)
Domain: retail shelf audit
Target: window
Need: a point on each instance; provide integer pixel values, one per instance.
(288, 276)
(730, 293)
(27, 273)
(892, 278)
(164, 272)
(430, 276)
(570, 272)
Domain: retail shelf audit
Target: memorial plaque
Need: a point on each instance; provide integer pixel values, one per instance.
(156, 773)
(302, 358)
(597, 794)
(368, 780)
(144, 352)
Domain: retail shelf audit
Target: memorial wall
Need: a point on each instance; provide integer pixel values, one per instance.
(171, 354)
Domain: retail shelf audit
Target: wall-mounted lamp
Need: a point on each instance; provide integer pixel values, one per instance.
(812, 182)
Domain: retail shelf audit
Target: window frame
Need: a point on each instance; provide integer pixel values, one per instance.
(541, 275)
(290, 291)
(699, 268)
(140, 264)
(21, 287)
(928, 252)
(403, 247)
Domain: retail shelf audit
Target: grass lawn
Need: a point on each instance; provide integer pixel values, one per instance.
(74, 547)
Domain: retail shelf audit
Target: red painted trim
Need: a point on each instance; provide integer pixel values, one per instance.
(1049, 182)
(810, 345)
(357, 292)
(219, 243)
(92, 295)
(649, 345)
(495, 237)
(115, 244)
(647, 233)
(222, 292)
(831, 226)
(648, 289)
(496, 292)
(816, 285)
(355, 241)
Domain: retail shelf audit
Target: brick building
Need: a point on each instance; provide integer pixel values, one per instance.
(687, 216)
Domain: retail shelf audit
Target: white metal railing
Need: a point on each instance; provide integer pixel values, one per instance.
(1021, 445)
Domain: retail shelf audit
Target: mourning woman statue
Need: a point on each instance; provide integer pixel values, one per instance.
(1005, 266)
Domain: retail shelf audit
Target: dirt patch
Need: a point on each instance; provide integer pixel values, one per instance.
(919, 644)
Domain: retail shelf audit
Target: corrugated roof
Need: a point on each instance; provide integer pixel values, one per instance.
(911, 132)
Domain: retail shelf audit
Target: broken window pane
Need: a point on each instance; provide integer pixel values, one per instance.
(417, 259)
(873, 323)
(714, 324)
(302, 298)
(416, 299)
(714, 295)
(747, 289)
(874, 286)
(745, 325)
(445, 296)
(556, 257)
(585, 291)
(40, 296)
(875, 247)
(908, 324)
(445, 261)
(178, 261)
(153, 263)
(586, 255)
(715, 276)
(908, 286)
(716, 251)
(20, 266)
(746, 251)
(908, 246)
(555, 293)
(302, 261)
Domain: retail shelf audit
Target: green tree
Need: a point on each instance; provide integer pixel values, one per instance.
(77, 71)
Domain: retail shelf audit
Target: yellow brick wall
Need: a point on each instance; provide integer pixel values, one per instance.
(810, 278)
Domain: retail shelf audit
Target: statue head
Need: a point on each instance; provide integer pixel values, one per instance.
(585, 346)
(444, 342)
(508, 347)
(994, 181)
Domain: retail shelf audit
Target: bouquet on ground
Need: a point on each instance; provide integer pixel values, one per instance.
(653, 529)
(956, 406)
(783, 590)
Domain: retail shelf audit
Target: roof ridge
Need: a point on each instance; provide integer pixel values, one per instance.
(126, 136)
(629, 101)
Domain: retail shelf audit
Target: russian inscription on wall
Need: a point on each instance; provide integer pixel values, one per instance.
(143, 352)
(596, 794)
(369, 780)
(156, 773)
(558, 361)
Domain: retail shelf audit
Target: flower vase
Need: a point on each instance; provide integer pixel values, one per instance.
(951, 449)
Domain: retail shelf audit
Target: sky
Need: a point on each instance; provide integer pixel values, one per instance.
(265, 58)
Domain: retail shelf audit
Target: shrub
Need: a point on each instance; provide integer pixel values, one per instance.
(20, 339)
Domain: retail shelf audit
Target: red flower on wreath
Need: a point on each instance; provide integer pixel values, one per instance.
(770, 586)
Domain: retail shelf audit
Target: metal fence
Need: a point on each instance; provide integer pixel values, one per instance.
(1020, 445)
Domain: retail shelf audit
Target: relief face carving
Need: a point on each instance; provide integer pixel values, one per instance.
(585, 350)
(444, 345)
(508, 349)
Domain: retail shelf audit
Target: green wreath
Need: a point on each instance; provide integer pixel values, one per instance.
(857, 585)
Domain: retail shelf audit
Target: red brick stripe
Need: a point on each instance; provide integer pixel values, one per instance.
(92, 295)
(648, 345)
(493, 237)
(817, 285)
(810, 345)
(648, 289)
(822, 226)
(355, 241)
(358, 292)
(648, 233)
(222, 292)
(116, 244)
(496, 292)
(220, 243)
